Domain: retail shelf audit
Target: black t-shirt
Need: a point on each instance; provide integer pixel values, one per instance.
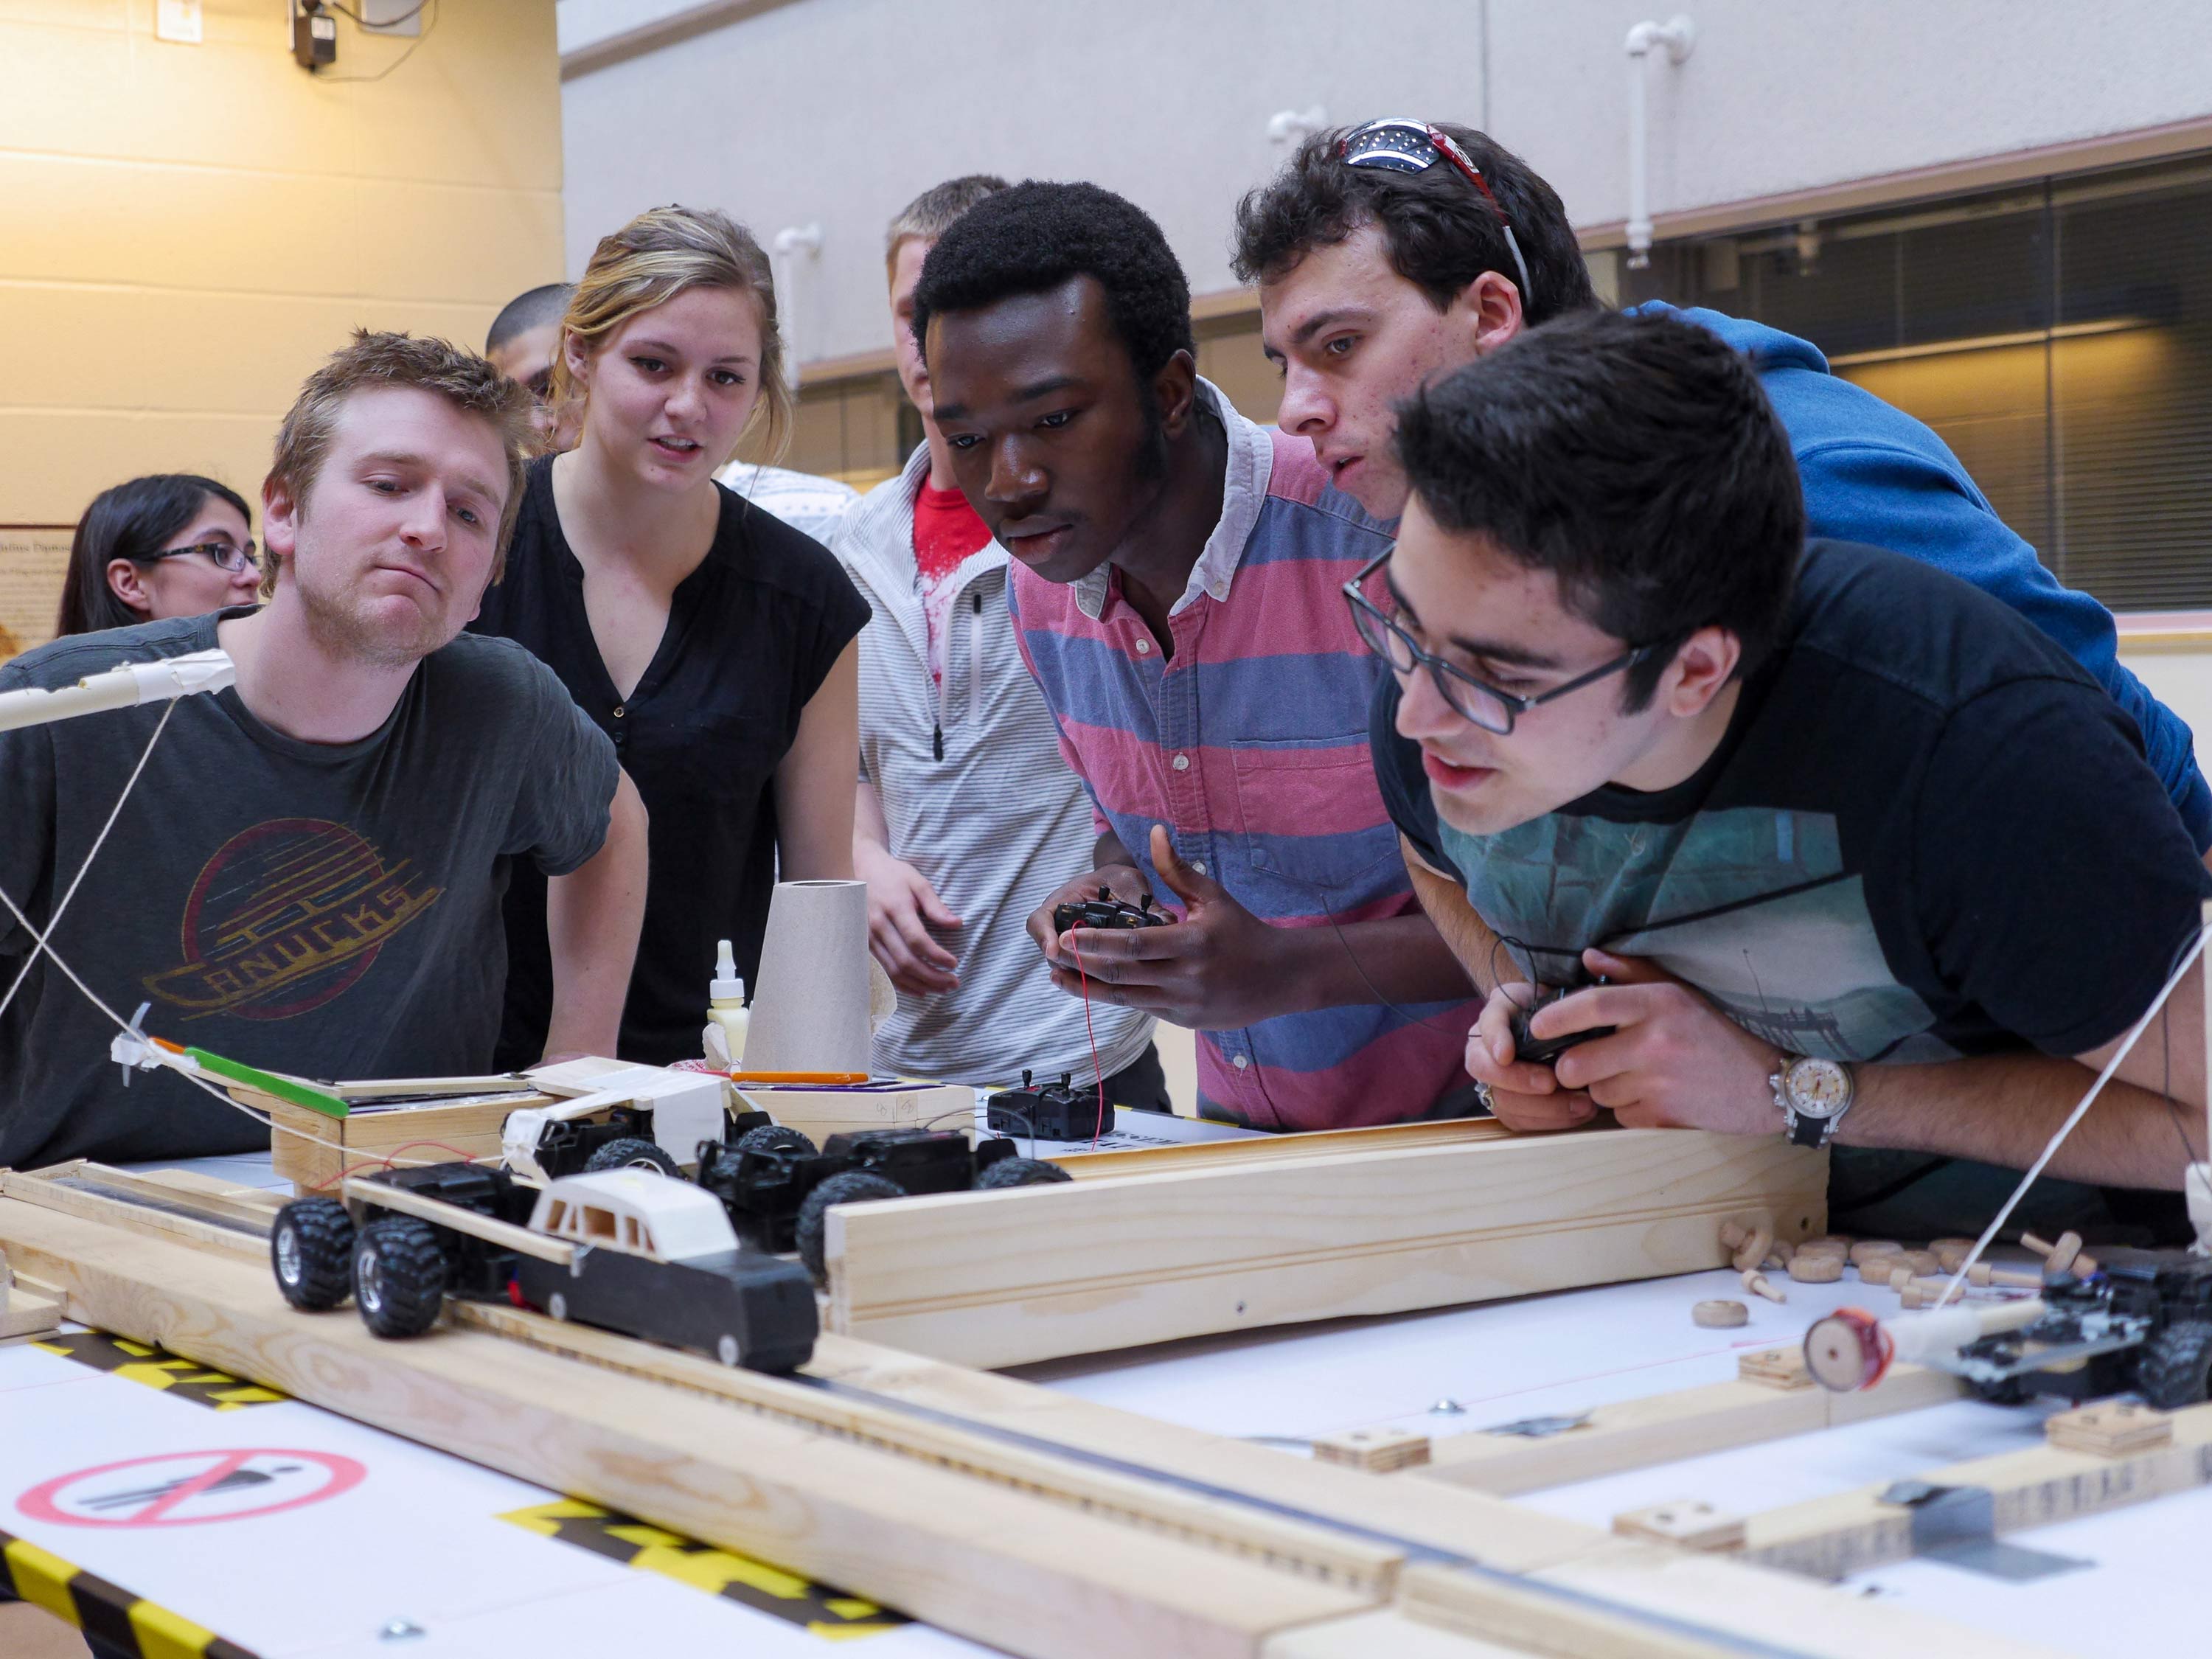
(753, 632)
(330, 909)
(1927, 833)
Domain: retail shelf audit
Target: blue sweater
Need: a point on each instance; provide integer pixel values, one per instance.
(1874, 474)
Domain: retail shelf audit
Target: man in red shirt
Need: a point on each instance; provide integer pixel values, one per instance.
(967, 818)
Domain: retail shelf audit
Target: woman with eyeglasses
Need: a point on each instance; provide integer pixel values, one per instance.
(171, 545)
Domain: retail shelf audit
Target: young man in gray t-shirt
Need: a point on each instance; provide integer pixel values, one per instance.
(307, 875)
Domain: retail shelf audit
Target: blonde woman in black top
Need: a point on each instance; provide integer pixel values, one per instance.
(711, 641)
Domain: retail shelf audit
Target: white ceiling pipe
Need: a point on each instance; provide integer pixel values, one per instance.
(1294, 126)
(1678, 34)
(784, 250)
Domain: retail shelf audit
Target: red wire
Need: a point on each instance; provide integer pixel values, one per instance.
(1097, 1070)
(389, 1160)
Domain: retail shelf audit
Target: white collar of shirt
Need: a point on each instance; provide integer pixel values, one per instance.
(1243, 492)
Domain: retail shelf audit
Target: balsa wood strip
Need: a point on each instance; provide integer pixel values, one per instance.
(1006, 1278)
(1086, 1165)
(1666, 1428)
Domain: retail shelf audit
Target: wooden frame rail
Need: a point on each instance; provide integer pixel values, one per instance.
(1238, 1240)
(1032, 1520)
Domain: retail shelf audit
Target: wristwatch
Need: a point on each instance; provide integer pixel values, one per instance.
(1813, 1095)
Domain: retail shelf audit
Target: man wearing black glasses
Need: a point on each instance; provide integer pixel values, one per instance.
(1858, 853)
(1392, 252)
(1389, 254)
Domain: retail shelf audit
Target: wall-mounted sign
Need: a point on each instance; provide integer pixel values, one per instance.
(33, 558)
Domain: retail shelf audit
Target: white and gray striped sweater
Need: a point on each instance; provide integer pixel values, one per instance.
(978, 798)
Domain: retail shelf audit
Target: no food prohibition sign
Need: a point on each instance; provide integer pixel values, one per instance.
(192, 1489)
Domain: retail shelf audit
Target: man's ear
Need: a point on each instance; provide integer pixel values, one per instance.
(1176, 387)
(280, 519)
(1704, 665)
(1487, 313)
(125, 581)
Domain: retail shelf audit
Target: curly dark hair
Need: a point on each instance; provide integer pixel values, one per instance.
(1441, 232)
(1038, 235)
(1638, 460)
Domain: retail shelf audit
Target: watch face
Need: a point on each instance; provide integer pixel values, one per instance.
(1818, 1088)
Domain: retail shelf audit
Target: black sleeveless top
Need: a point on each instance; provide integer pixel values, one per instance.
(753, 632)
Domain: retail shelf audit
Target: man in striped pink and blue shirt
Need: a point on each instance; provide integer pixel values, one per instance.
(1177, 596)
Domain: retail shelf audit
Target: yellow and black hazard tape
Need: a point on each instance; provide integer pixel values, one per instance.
(825, 1612)
(119, 1621)
(157, 1368)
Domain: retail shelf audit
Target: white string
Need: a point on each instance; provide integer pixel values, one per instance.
(39, 940)
(123, 1025)
(2080, 1111)
(40, 943)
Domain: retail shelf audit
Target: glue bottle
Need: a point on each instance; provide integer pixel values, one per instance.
(726, 1013)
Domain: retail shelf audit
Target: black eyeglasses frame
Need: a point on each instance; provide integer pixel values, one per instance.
(1367, 616)
(216, 552)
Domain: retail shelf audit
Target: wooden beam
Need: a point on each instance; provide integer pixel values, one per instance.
(504, 1234)
(25, 1312)
(1376, 1635)
(1666, 1428)
(193, 1182)
(313, 1152)
(1718, 1608)
(204, 1235)
(210, 1201)
(1005, 1277)
(1834, 1537)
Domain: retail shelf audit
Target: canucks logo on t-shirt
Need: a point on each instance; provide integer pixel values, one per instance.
(287, 917)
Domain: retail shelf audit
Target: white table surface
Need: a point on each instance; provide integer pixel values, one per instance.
(421, 1537)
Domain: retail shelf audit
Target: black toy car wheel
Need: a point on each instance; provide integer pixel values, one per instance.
(1021, 1172)
(774, 1137)
(400, 1272)
(2010, 1391)
(632, 1153)
(853, 1187)
(2176, 1367)
(311, 1249)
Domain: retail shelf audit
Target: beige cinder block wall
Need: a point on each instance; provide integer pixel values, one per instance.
(186, 230)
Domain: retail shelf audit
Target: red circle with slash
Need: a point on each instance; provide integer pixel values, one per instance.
(192, 1489)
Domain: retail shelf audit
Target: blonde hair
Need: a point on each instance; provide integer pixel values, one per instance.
(931, 214)
(376, 360)
(647, 263)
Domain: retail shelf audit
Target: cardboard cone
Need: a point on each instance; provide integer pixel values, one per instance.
(809, 1010)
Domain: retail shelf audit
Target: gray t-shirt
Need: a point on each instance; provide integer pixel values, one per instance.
(327, 909)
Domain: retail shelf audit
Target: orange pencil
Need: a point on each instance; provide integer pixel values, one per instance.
(799, 1077)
